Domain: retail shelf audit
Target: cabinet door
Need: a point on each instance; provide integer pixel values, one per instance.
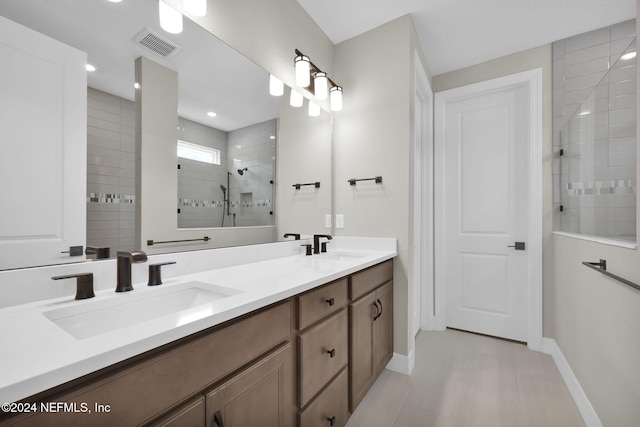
(188, 415)
(383, 328)
(43, 154)
(361, 361)
(261, 395)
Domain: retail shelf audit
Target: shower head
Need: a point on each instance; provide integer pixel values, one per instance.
(223, 188)
(241, 171)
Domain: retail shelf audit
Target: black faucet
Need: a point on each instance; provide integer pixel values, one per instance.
(294, 235)
(125, 259)
(316, 242)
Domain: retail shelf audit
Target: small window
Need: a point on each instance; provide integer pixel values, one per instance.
(199, 153)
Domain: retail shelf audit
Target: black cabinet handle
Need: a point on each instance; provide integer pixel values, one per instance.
(380, 302)
(217, 418)
(331, 302)
(332, 353)
(331, 420)
(378, 311)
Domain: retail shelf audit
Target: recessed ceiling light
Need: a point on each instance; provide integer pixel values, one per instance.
(211, 114)
(90, 68)
(115, 1)
(629, 55)
(136, 85)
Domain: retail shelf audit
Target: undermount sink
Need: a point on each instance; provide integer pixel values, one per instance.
(341, 255)
(124, 310)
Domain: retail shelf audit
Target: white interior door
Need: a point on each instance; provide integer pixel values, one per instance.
(43, 156)
(486, 140)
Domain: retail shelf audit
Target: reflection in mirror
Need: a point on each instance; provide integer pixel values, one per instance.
(232, 187)
(212, 78)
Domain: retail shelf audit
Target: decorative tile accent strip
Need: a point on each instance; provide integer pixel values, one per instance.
(597, 188)
(111, 198)
(200, 203)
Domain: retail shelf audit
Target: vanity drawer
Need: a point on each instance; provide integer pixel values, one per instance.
(323, 353)
(321, 302)
(369, 279)
(330, 407)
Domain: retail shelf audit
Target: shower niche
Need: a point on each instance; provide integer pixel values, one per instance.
(238, 190)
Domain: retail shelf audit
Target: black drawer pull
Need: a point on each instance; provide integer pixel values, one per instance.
(332, 353)
(331, 420)
(217, 418)
(331, 302)
(380, 302)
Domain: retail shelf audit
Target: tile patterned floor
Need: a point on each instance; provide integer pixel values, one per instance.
(467, 380)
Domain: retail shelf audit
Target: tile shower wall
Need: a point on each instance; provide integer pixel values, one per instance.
(595, 177)
(252, 147)
(200, 196)
(110, 171)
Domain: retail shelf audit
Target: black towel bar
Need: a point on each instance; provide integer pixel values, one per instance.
(602, 268)
(204, 239)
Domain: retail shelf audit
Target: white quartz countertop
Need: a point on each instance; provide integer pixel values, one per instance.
(38, 354)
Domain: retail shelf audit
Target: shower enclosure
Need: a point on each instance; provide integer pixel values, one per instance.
(595, 164)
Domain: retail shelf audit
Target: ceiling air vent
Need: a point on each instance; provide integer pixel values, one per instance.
(155, 43)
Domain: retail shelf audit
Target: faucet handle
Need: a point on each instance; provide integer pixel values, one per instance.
(308, 246)
(324, 246)
(154, 273)
(84, 284)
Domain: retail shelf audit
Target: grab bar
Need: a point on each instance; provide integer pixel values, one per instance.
(204, 239)
(602, 268)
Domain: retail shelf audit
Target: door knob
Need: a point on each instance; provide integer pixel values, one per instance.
(519, 246)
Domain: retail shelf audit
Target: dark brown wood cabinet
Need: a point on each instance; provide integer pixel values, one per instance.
(371, 329)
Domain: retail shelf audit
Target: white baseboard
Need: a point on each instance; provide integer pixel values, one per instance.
(589, 415)
(401, 363)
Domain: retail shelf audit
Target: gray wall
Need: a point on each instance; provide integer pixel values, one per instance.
(110, 171)
(373, 137)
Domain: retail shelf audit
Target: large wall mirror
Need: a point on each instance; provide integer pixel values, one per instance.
(224, 109)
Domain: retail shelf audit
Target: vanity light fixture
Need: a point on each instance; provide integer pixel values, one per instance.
(170, 19)
(303, 69)
(195, 7)
(336, 98)
(276, 86)
(322, 86)
(314, 109)
(296, 99)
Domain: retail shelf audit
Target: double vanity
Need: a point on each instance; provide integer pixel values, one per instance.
(255, 335)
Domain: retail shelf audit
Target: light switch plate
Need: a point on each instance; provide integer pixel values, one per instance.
(327, 221)
(340, 221)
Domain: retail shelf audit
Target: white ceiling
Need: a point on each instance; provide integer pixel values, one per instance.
(458, 33)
